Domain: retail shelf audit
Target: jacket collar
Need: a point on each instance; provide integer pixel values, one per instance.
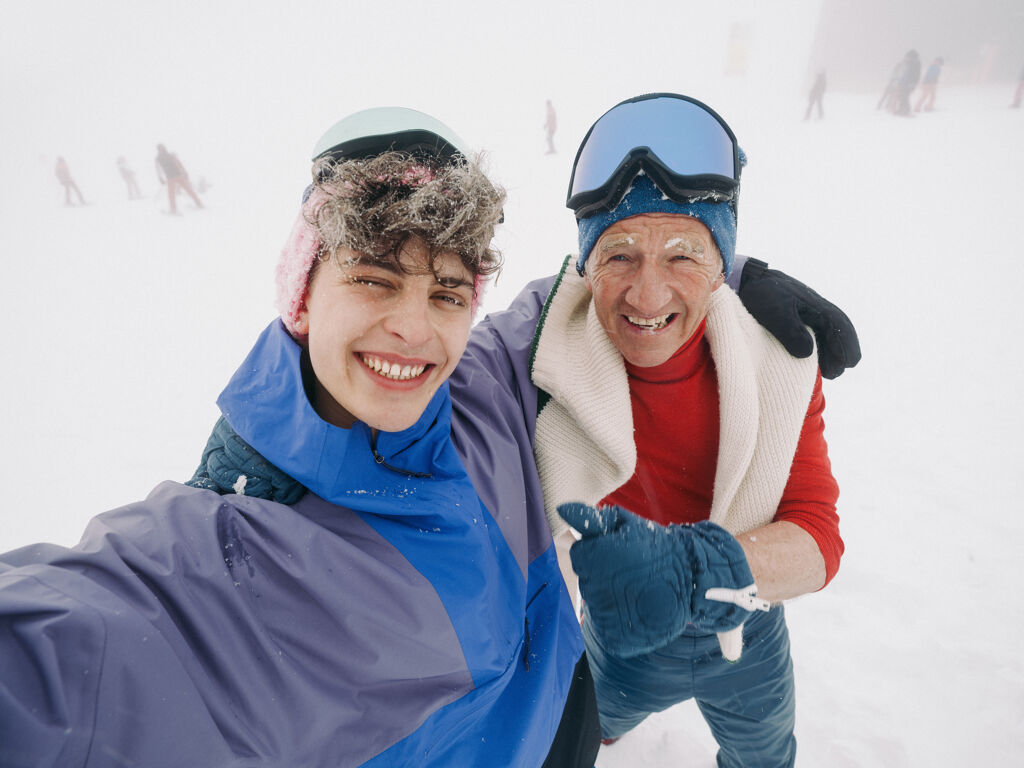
(266, 404)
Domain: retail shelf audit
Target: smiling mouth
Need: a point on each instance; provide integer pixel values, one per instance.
(393, 371)
(651, 323)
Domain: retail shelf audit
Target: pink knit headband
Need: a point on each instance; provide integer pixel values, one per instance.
(302, 247)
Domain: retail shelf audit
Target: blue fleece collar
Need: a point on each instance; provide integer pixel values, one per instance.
(266, 404)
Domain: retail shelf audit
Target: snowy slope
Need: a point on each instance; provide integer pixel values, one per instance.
(122, 323)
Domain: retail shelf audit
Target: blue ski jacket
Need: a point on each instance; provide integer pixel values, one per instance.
(408, 611)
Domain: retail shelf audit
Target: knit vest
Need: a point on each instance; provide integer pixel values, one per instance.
(584, 437)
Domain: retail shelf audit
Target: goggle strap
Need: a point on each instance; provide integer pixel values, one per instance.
(681, 189)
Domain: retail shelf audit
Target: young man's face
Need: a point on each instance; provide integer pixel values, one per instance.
(382, 340)
(652, 277)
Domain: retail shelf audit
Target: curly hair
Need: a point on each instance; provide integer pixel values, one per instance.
(374, 205)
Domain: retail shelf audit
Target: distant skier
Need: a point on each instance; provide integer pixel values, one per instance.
(928, 85)
(550, 126)
(171, 172)
(129, 179)
(816, 95)
(64, 177)
(909, 75)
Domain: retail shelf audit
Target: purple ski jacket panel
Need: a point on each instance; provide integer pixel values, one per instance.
(494, 407)
(230, 638)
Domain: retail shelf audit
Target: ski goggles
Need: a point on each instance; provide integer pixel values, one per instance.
(683, 145)
(384, 129)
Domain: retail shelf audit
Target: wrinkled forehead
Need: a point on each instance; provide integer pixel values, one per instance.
(674, 226)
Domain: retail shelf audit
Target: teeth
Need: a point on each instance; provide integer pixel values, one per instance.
(650, 323)
(392, 371)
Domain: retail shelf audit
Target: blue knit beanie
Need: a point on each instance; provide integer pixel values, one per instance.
(645, 197)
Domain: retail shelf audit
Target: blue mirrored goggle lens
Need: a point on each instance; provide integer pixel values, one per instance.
(687, 140)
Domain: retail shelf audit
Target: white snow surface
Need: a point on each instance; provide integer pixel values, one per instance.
(123, 324)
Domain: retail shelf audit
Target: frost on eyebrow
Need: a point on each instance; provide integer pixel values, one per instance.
(690, 246)
(617, 241)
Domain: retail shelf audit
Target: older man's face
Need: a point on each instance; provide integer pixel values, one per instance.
(652, 277)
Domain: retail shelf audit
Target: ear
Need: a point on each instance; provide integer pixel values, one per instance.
(719, 282)
(302, 319)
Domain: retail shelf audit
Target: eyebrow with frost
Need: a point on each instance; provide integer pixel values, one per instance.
(692, 246)
(616, 241)
(689, 244)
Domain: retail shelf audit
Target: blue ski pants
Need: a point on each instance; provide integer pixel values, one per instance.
(748, 704)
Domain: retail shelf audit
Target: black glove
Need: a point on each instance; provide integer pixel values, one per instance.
(228, 458)
(784, 306)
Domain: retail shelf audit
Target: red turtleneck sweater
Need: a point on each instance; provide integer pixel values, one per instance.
(675, 422)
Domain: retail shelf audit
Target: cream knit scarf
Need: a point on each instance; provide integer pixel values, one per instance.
(584, 438)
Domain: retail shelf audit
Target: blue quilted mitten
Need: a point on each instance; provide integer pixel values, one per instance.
(231, 465)
(634, 576)
(719, 565)
(642, 582)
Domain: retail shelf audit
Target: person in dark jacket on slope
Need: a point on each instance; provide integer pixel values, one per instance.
(171, 171)
(816, 96)
(906, 82)
(64, 177)
(406, 611)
